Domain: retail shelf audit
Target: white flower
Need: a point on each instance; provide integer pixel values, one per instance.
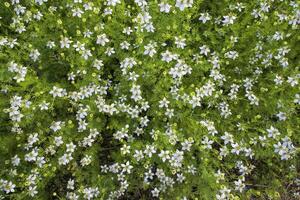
(65, 159)
(278, 80)
(78, 46)
(167, 56)
(102, 39)
(227, 137)
(70, 147)
(204, 50)
(182, 4)
(180, 178)
(223, 194)
(77, 12)
(177, 159)
(40, 161)
(149, 150)
(136, 92)
(38, 16)
(228, 20)
(70, 185)
(86, 160)
(40, 2)
(125, 149)
(297, 99)
(98, 64)
(19, 69)
(15, 160)
(225, 110)
(278, 36)
(20, 9)
(164, 7)
(180, 42)
(144, 121)
(107, 11)
(285, 148)
(155, 192)
(264, 7)
(232, 54)
(15, 2)
(239, 185)
(126, 167)
(281, 116)
(58, 92)
(236, 148)
(109, 51)
(82, 125)
(164, 155)
(86, 54)
(252, 98)
(125, 45)
(273, 132)
(32, 190)
(141, 3)
(88, 6)
(44, 105)
(56, 126)
(34, 55)
(50, 44)
(31, 156)
(127, 31)
(58, 141)
(169, 113)
(7, 186)
(292, 81)
(207, 143)
(150, 49)
(65, 43)
(204, 17)
(113, 2)
(133, 76)
(138, 155)
(72, 196)
(180, 70)
(87, 33)
(90, 193)
(33, 138)
(164, 103)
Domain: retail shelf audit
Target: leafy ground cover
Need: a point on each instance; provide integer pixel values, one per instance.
(136, 99)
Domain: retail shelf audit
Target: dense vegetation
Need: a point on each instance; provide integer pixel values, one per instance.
(156, 99)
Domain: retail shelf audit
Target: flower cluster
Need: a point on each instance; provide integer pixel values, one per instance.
(136, 99)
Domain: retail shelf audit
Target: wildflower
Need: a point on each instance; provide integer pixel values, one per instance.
(182, 4)
(125, 45)
(44, 105)
(70, 185)
(273, 132)
(164, 7)
(65, 43)
(77, 12)
(55, 126)
(180, 42)
(150, 49)
(34, 55)
(204, 17)
(228, 20)
(40, 2)
(155, 192)
(281, 116)
(102, 39)
(204, 50)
